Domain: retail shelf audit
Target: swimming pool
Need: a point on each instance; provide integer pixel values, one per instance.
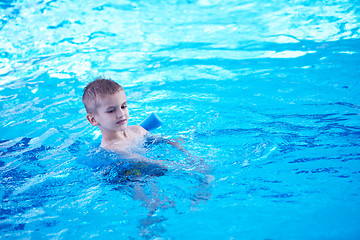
(266, 93)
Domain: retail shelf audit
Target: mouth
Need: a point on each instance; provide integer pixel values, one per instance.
(121, 122)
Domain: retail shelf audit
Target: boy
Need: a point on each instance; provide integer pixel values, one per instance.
(106, 107)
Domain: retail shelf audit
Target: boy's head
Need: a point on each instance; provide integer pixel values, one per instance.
(96, 90)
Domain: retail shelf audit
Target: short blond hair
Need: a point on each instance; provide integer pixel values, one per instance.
(97, 90)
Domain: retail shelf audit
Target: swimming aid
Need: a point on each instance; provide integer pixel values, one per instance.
(151, 122)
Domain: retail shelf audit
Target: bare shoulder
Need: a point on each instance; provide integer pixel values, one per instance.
(137, 130)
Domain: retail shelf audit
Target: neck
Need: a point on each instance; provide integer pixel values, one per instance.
(110, 137)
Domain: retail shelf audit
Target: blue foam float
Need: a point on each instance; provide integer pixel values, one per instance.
(151, 122)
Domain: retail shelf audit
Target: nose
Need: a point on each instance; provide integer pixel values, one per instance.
(119, 113)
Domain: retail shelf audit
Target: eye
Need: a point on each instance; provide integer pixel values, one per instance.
(110, 110)
(124, 106)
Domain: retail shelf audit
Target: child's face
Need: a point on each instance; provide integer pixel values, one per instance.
(113, 114)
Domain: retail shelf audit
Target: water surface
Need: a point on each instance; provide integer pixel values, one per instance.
(266, 93)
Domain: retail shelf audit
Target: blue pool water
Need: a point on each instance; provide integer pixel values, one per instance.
(264, 94)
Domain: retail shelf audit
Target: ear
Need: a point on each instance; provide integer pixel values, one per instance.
(92, 120)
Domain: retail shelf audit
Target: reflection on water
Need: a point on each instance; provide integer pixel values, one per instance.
(85, 38)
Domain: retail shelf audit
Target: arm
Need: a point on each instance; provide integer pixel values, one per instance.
(177, 144)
